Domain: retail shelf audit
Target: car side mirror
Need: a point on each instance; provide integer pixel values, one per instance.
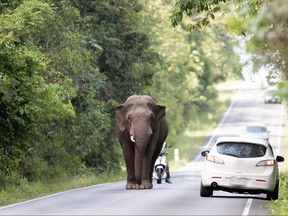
(279, 159)
(204, 153)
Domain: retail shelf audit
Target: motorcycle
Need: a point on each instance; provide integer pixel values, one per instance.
(160, 167)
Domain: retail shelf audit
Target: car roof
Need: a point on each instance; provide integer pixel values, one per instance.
(242, 139)
(272, 88)
(256, 124)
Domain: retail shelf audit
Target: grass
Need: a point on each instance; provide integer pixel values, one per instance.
(26, 191)
(280, 206)
(188, 143)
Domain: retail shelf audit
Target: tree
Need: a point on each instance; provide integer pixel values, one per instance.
(64, 66)
(264, 21)
(203, 12)
(126, 59)
(27, 101)
(191, 63)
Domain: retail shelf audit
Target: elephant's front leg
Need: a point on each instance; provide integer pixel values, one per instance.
(146, 181)
(128, 152)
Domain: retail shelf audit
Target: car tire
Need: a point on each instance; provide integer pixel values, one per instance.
(205, 191)
(275, 193)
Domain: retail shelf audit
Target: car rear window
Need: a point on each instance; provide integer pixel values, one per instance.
(272, 92)
(241, 150)
(256, 129)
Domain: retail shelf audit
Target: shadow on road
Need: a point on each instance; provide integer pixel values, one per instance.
(240, 197)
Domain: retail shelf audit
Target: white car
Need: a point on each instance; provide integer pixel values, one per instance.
(271, 96)
(241, 165)
(257, 130)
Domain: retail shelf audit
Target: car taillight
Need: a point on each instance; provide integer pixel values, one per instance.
(266, 163)
(214, 159)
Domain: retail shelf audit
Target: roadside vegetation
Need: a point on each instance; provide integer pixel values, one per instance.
(264, 25)
(64, 66)
(187, 142)
(280, 206)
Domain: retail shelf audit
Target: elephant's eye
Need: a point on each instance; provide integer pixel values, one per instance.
(129, 118)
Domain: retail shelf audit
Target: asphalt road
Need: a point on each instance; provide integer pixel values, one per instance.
(182, 196)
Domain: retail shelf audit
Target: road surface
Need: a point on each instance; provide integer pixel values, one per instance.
(182, 197)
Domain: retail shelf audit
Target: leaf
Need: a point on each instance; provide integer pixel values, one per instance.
(212, 16)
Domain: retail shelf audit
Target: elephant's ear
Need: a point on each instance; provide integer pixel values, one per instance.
(159, 114)
(120, 116)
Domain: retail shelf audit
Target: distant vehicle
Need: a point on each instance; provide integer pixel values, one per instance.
(257, 130)
(271, 96)
(241, 165)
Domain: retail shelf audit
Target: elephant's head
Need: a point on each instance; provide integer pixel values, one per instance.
(140, 117)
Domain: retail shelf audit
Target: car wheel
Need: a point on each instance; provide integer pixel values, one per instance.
(275, 193)
(205, 191)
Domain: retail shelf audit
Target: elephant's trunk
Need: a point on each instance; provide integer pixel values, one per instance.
(139, 155)
(140, 135)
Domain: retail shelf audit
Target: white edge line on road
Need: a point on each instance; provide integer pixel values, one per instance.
(280, 129)
(52, 195)
(247, 207)
(249, 201)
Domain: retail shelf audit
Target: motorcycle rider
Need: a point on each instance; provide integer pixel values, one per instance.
(167, 180)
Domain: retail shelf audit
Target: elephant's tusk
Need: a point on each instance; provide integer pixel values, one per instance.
(132, 138)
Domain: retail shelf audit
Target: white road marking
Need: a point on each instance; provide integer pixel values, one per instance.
(280, 129)
(247, 207)
(52, 195)
(249, 201)
(280, 132)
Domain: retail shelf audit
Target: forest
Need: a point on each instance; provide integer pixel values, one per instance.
(65, 65)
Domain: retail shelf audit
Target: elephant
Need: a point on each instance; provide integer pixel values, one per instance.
(141, 130)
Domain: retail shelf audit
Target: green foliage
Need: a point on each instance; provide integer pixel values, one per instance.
(9, 4)
(280, 207)
(283, 90)
(126, 59)
(203, 13)
(265, 22)
(191, 63)
(27, 100)
(64, 66)
(270, 40)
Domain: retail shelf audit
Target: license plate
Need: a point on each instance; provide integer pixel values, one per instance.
(237, 180)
